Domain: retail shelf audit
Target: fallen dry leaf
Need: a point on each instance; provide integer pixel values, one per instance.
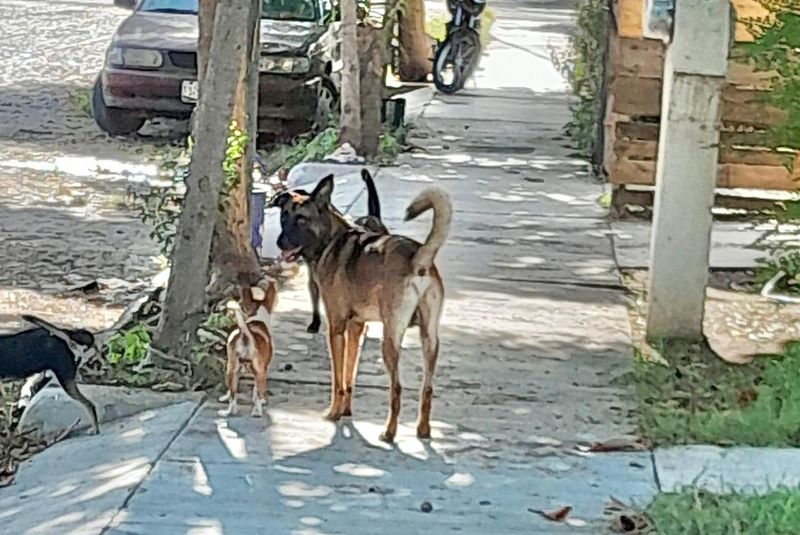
(559, 515)
(617, 444)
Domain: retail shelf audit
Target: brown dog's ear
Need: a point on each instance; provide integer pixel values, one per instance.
(322, 193)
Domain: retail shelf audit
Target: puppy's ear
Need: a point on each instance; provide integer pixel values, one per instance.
(280, 200)
(322, 193)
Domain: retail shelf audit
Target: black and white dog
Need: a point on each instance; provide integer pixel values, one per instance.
(48, 348)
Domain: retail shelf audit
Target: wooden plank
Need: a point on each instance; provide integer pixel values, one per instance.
(746, 9)
(648, 151)
(731, 175)
(644, 58)
(637, 97)
(628, 14)
(645, 131)
(641, 97)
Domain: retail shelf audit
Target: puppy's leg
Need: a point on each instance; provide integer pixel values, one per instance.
(429, 312)
(231, 381)
(313, 290)
(69, 386)
(336, 335)
(355, 330)
(259, 367)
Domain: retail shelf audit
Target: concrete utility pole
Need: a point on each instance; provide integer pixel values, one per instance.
(695, 67)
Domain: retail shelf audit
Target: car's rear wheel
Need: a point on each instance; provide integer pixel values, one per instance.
(327, 104)
(114, 121)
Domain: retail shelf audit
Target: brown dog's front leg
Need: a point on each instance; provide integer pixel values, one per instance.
(313, 290)
(336, 349)
(352, 353)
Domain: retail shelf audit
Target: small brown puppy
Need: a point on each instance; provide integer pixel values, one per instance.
(368, 276)
(250, 343)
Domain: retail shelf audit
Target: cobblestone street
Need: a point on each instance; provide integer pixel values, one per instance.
(63, 182)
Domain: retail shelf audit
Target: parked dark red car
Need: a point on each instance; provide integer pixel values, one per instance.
(150, 68)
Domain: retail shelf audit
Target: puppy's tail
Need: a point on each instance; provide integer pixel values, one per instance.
(373, 202)
(241, 322)
(438, 200)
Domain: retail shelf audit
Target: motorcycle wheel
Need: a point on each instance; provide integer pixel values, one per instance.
(455, 60)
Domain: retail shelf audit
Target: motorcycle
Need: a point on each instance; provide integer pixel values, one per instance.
(457, 57)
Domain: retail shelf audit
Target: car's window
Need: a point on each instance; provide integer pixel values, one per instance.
(304, 10)
(169, 6)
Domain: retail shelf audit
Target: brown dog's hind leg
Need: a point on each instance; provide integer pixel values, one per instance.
(391, 359)
(72, 391)
(336, 336)
(351, 356)
(429, 335)
(313, 290)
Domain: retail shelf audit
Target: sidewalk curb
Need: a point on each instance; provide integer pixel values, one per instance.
(735, 470)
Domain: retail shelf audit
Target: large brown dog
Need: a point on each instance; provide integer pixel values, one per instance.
(251, 343)
(367, 276)
(372, 221)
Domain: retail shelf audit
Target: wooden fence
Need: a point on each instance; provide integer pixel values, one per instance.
(634, 77)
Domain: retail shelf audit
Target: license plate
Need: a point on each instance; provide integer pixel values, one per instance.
(190, 91)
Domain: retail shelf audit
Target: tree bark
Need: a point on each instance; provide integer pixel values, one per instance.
(185, 301)
(372, 54)
(205, 24)
(350, 120)
(415, 45)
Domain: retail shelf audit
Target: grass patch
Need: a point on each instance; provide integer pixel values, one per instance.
(698, 513)
(699, 398)
(81, 100)
(436, 26)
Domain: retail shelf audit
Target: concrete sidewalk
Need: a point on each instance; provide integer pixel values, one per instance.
(534, 336)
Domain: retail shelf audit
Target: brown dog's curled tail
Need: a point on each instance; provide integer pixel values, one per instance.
(438, 200)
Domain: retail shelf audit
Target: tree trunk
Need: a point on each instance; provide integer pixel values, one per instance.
(185, 301)
(372, 54)
(351, 78)
(233, 258)
(415, 45)
(232, 255)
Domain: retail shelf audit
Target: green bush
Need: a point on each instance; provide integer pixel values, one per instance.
(129, 347)
(582, 64)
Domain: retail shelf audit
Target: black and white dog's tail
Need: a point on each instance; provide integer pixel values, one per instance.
(373, 202)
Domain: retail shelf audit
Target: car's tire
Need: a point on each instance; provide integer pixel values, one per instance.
(114, 121)
(327, 104)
